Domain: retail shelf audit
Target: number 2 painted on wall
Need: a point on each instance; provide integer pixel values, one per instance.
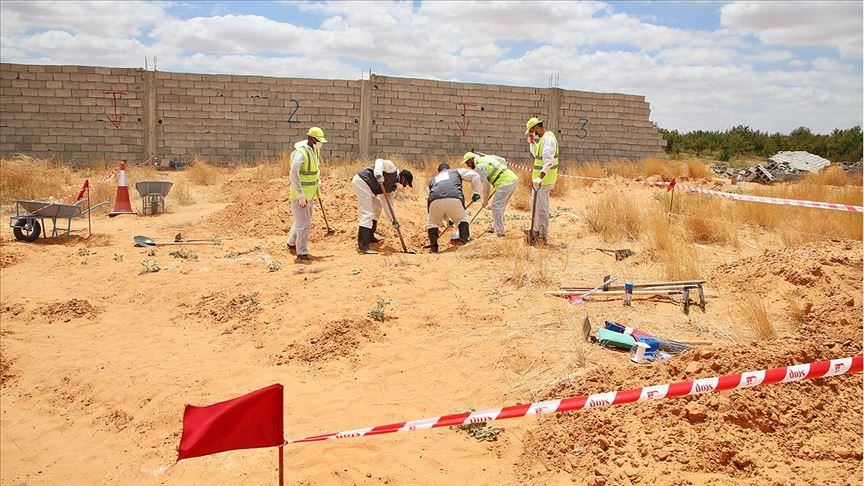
(582, 132)
(291, 116)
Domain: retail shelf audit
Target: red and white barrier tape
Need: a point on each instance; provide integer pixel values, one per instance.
(727, 195)
(809, 371)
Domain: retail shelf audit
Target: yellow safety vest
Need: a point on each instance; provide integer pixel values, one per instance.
(497, 172)
(308, 173)
(552, 176)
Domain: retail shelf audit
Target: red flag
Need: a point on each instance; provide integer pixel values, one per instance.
(83, 188)
(671, 185)
(253, 420)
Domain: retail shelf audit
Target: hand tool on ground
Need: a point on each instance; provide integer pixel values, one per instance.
(619, 254)
(398, 230)
(144, 241)
(606, 281)
(330, 230)
(178, 238)
(532, 237)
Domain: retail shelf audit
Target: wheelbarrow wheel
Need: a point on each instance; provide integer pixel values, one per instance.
(25, 230)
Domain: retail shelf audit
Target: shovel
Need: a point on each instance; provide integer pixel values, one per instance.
(144, 241)
(398, 231)
(531, 235)
(330, 230)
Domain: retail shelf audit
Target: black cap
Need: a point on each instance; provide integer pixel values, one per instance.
(409, 177)
(443, 166)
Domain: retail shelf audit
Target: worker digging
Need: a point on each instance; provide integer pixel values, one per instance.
(371, 185)
(446, 201)
(499, 183)
(544, 150)
(305, 177)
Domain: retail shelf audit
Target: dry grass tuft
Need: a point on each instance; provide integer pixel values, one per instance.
(756, 318)
(24, 177)
(832, 175)
(201, 173)
(666, 244)
(653, 166)
(182, 194)
(267, 171)
(528, 267)
(698, 170)
(616, 216)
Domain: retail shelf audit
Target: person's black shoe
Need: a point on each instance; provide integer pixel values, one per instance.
(303, 259)
(433, 239)
(464, 234)
(375, 239)
(364, 237)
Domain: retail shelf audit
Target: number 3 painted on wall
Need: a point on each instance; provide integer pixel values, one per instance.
(582, 132)
(291, 116)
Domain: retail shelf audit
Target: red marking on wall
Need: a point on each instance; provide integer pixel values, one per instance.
(119, 119)
(465, 122)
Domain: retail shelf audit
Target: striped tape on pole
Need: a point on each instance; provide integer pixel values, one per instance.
(750, 379)
(723, 194)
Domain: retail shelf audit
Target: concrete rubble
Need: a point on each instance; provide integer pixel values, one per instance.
(782, 166)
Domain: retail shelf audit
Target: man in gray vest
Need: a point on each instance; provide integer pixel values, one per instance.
(367, 187)
(446, 201)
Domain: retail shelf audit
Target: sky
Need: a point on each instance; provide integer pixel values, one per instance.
(772, 66)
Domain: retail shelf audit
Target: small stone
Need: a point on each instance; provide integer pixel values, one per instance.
(693, 368)
(601, 443)
(696, 412)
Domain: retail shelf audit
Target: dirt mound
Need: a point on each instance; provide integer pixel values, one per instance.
(219, 308)
(8, 259)
(697, 438)
(68, 310)
(795, 430)
(253, 212)
(337, 339)
(818, 284)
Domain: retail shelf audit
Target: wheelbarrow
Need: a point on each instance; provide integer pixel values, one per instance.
(29, 220)
(153, 195)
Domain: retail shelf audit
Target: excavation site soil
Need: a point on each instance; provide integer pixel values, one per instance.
(100, 352)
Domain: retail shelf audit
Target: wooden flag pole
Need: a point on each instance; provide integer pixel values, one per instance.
(281, 467)
(89, 207)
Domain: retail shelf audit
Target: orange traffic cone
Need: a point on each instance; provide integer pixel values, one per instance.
(122, 204)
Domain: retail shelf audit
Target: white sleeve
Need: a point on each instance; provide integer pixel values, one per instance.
(484, 181)
(473, 177)
(294, 175)
(549, 148)
(383, 165)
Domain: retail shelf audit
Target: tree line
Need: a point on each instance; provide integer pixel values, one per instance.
(742, 141)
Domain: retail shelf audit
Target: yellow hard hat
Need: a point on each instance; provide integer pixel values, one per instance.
(317, 134)
(532, 122)
(468, 156)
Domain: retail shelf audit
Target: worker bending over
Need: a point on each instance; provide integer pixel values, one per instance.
(498, 181)
(446, 201)
(544, 149)
(304, 176)
(368, 185)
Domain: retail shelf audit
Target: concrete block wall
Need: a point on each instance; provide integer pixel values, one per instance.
(69, 112)
(250, 117)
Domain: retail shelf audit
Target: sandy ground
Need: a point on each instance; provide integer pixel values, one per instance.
(98, 360)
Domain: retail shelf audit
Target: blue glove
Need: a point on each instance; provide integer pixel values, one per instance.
(475, 198)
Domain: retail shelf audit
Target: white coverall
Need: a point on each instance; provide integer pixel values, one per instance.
(499, 200)
(370, 204)
(299, 235)
(442, 209)
(541, 217)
